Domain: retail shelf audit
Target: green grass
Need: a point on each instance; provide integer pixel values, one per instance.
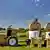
(22, 48)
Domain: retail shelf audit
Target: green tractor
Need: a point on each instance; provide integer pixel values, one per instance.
(9, 38)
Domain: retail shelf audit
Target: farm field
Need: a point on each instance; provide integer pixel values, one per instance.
(22, 48)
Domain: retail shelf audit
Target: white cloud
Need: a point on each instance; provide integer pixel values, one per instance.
(41, 5)
(37, 4)
(48, 14)
(37, 1)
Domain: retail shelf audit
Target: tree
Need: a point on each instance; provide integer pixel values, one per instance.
(21, 30)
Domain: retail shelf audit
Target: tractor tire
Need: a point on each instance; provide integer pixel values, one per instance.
(12, 41)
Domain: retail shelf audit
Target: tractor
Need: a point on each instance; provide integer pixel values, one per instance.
(9, 37)
(47, 33)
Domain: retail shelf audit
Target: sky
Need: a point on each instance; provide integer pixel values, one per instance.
(20, 13)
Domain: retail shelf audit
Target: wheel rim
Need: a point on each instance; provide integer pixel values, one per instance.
(12, 41)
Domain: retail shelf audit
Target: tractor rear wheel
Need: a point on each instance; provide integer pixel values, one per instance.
(12, 41)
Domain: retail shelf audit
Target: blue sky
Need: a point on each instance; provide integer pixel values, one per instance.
(18, 12)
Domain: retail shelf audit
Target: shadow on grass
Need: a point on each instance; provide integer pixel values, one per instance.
(18, 45)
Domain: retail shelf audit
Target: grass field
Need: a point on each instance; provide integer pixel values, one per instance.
(22, 48)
